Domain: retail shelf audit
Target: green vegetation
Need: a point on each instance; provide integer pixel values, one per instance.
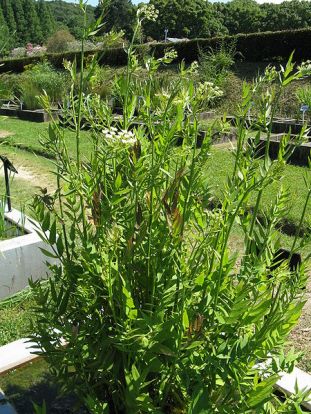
(166, 292)
(34, 172)
(26, 21)
(29, 135)
(15, 318)
(158, 314)
(39, 79)
(59, 42)
(69, 17)
(200, 18)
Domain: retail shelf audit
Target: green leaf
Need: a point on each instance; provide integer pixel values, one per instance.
(262, 392)
(46, 222)
(118, 181)
(60, 246)
(48, 254)
(200, 402)
(185, 320)
(52, 235)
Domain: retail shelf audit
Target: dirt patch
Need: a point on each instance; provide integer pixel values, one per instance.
(23, 174)
(5, 134)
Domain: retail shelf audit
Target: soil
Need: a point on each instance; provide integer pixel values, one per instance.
(23, 174)
(5, 134)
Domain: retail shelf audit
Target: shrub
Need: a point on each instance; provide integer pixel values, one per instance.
(158, 315)
(18, 52)
(304, 95)
(41, 78)
(215, 64)
(29, 95)
(59, 41)
(8, 86)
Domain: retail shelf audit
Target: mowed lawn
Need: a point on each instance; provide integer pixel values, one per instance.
(220, 166)
(29, 135)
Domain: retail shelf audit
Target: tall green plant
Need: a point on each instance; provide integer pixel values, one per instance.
(157, 314)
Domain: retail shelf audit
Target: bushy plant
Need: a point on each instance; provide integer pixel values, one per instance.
(304, 96)
(216, 63)
(43, 78)
(59, 41)
(157, 314)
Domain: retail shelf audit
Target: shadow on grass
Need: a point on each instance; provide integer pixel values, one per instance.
(34, 383)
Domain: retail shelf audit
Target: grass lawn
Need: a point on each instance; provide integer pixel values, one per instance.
(220, 166)
(26, 134)
(33, 172)
(15, 319)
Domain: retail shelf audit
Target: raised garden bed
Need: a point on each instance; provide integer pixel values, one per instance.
(21, 257)
(284, 126)
(38, 115)
(300, 155)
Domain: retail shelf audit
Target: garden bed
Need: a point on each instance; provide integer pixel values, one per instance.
(20, 257)
(38, 115)
(300, 155)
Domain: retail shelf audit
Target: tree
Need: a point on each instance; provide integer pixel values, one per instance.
(4, 34)
(119, 16)
(8, 15)
(69, 17)
(22, 29)
(185, 18)
(35, 34)
(243, 16)
(287, 15)
(59, 41)
(46, 18)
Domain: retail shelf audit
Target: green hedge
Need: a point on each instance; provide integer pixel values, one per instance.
(253, 47)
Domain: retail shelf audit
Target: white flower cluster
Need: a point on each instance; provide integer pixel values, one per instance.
(305, 68)
(271, 73)
(148, 12)
(115, 136)
(194, 68)
(169, 56)
(208, 91)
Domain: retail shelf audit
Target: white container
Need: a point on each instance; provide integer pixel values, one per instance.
(21, 257)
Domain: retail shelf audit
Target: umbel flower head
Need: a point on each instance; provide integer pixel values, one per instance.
(305, 68)
(208, 91)
(147, 12)
(114, 136)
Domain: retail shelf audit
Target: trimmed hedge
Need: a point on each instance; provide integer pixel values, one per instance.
(253, 47)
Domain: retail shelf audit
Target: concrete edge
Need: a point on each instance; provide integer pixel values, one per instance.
(16, 354)
(288, 382)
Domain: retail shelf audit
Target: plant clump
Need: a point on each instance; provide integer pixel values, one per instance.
(158, 315)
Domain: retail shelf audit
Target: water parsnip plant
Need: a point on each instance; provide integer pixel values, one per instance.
(157, 314)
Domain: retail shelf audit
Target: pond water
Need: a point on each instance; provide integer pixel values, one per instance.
(34, 383)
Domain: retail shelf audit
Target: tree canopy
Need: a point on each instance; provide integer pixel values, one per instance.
(24, 21)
